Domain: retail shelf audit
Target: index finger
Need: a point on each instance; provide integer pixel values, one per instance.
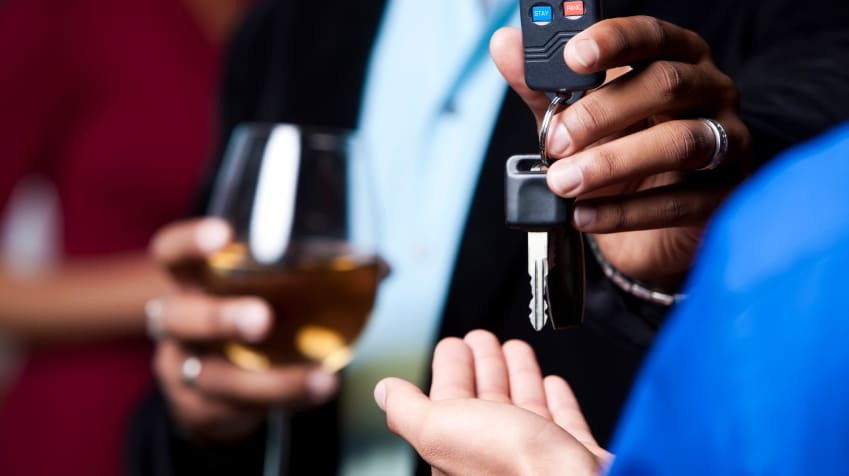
(632, 40)
(190, 239)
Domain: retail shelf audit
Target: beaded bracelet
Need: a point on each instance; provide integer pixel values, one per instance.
(631, 286)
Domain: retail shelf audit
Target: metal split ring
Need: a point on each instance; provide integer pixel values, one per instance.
(558, 103)
(720, 152)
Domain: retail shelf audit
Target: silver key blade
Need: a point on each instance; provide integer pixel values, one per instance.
(538, 271)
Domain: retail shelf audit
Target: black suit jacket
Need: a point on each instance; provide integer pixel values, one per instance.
(791, 66)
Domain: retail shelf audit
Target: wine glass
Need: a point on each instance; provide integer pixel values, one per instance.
(290, 194)
(299, 202)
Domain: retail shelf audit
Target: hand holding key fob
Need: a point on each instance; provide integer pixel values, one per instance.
(555, 249)
(546, 28)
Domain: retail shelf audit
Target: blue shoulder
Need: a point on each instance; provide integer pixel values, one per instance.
(796, 206)
(748, 376)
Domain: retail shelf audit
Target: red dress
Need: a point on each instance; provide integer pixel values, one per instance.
(113, 101)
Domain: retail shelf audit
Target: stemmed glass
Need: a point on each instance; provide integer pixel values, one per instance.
(299, 201)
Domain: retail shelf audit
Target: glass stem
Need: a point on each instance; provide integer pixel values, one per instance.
(277, 444)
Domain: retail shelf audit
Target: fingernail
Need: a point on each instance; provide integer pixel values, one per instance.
(322, 385)
(565, 180)
(585, 53)
(380, 395)
(212, 235)
(584, 216)
(560, 142)
(250, 318)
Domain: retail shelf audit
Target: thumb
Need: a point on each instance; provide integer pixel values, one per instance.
(406, 406)
(506, 50)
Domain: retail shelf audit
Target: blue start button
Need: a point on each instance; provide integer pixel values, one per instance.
(542, 14)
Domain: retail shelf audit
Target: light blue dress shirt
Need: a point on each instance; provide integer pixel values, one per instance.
(430, 104)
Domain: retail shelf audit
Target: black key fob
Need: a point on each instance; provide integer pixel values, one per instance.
(546, 28)
(530, 206)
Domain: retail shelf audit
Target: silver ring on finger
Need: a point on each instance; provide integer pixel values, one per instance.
(153, 311)
(190, 370)
(720, 152)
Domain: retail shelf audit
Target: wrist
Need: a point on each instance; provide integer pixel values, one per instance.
(634, 287)
(556, 451)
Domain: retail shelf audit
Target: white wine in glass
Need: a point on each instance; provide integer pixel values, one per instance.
(304, 241)
(322, 298)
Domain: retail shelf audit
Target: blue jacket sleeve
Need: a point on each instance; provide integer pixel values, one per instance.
(750, 375)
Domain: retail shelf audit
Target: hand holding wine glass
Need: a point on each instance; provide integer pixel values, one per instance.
(223, 402)
(273, 293)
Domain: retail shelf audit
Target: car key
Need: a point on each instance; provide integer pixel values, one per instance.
(555, 249)
(546, 28)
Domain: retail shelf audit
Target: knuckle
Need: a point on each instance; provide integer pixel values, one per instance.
(186, 317)
(488, 360)
(685, 144)
(612, 36)
(620, 218)
(652, 27)
(588, 114)
(218, 318)
(674, 210)
(669, 80)
(540, 409)
(615, 217)
(523, 372)
(658, 31)
(167, 315)
(493, 396)
(605, 167)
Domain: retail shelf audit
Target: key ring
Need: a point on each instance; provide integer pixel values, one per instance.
(558, 103)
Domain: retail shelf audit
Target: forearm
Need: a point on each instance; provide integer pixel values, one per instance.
(80, 300)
